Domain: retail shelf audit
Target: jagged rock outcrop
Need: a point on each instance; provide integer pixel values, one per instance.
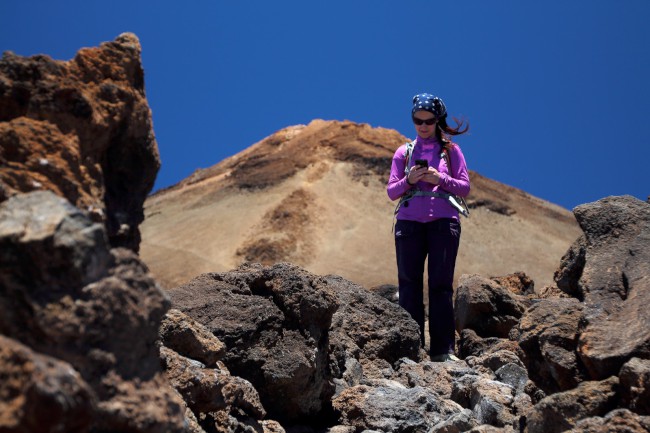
(274, 323)
(362, 366)
(604, 323)
(89, 316)
(82, 129)
(614, 283)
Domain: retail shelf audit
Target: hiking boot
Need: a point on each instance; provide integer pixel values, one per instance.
(444, 357)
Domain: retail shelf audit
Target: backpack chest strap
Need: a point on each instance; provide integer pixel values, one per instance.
(418, 193)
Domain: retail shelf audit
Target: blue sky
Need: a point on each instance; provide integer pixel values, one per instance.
(556, 92)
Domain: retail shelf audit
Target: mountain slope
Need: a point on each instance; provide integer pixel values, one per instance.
(315, 195)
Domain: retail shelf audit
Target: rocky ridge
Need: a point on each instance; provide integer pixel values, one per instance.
(90, 343)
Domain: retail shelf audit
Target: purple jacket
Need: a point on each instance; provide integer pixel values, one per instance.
(422, 208)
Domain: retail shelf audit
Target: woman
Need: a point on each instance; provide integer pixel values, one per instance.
(427, 221)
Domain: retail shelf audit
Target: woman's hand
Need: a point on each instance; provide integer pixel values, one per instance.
(431, 175)
(416, 174)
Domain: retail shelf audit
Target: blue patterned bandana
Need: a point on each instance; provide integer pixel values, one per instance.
(430, 103)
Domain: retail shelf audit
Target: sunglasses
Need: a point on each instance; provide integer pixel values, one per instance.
(431, 121)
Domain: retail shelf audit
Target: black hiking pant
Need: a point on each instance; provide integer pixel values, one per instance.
(438, 240)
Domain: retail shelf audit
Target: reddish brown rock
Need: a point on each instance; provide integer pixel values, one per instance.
(518, 283)
(617, 421)
(40, 393)
(562, 411)
(82, 129)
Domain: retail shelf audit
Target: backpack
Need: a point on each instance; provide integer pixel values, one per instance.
(456, 201)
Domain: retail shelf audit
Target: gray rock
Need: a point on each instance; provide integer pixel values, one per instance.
(457, 423)
(426, 374)
(393, 409)
(64, 248)
(492, 402)
(370, 326)
(513, 374)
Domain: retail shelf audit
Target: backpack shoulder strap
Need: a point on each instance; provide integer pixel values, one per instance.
(445, 154)
(408, 152)
(462, 204)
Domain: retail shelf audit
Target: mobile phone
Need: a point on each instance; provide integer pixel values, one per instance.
(422, 162)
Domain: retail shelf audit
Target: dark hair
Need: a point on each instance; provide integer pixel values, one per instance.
(444, 131)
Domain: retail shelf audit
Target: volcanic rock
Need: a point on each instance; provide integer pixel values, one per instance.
(617, 421)
(82, 129)
(487, 307)
(191, 339)
(367, 328)
(471, 344)
(567, 276)
(35, 388)
(394, 408)
(548, 334)
(561, 411)
(274, 323)
(635, 385)
(209, 390)
(615, 283)
(65, 295)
